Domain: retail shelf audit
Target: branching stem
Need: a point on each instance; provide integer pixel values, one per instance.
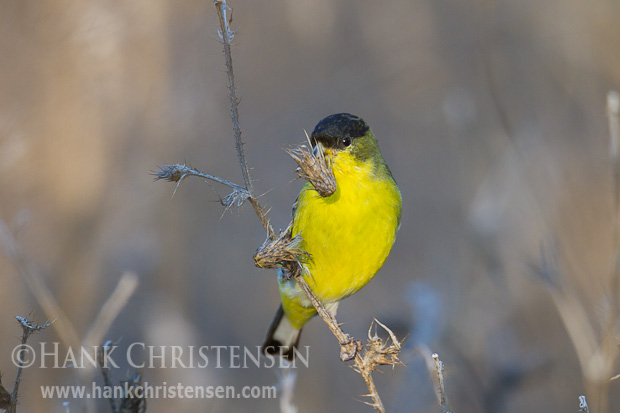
(344, 340)
(227, 35)
(28, 328)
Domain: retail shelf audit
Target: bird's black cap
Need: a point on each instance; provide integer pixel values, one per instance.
(340, 125)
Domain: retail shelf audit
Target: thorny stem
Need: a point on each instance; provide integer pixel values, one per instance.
(262, 216)
(343, 338)
(227, 35)
(28, 327)
(28, 271)
(178, 172)
(105, 371)
(439, 371)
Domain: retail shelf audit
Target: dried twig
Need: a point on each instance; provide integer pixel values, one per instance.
(441, 392)
(613, 113)
(102, 353)
(612, 327)
(596, 368)
(178, 172)
(63, 326)
(350, 348)
(28, 328)
(128, 402)
(28, 271)
(111, 309)
(35, 282)
(597, 353)
(227, 35)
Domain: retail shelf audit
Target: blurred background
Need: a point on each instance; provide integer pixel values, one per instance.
(491, 115)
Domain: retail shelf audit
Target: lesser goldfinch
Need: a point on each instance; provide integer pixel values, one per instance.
(347, 235)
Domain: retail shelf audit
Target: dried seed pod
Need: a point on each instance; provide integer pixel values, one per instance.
(280, 252)
(314, 169)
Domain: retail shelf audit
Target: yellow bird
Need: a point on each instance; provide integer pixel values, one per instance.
(347, 235)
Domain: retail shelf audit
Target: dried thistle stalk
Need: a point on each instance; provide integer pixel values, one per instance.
(441, 390)
(314, 169)
(380, 353)
(28, 328)
(282, 251)
(130, 401)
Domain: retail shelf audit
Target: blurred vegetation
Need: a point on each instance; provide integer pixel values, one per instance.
(491, 115)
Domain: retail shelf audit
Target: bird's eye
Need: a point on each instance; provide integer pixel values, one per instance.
(346, 141)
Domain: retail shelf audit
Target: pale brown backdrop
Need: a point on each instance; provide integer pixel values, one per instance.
(491, 115)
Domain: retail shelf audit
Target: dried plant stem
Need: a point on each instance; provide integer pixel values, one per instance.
(28, 328)
(33, 278)
(227, 35)
(611, 325)
(613, 113)
(351, 346)
(439, 372)
(608, 352)
(597, 352)
(261, 212)
(177, 172)
(111, 309)
(63, 326)
(105, 371)
(582, 333)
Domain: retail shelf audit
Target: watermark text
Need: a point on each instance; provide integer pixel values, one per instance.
(140, 355)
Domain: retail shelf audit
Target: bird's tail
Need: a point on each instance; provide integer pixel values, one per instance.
(282, 338)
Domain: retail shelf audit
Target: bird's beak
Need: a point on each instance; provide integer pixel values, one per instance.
(318, 149)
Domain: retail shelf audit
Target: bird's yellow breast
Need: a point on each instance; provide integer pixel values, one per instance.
(349, 234)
